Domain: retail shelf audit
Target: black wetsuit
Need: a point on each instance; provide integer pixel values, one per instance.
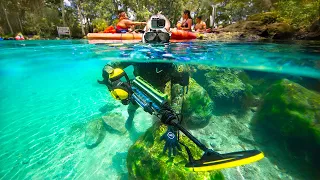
(157, 74)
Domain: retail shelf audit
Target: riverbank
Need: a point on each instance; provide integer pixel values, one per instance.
(264, 26)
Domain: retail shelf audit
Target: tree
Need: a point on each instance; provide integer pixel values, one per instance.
(6, 16)
(63, 13)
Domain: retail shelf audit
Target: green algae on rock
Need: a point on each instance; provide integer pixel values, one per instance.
(223, 85)
(265, 25)
(197, 105)
(146, 159)
(293, 112)
(95, 132)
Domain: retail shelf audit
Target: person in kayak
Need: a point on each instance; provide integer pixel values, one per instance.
(186, 23)
(124, 23)
(201, 25)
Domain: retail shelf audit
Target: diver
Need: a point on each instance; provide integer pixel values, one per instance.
(158, 74)
(138, 91)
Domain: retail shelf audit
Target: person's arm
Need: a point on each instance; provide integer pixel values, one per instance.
(204, 26)
(130, 23)
(196, 27)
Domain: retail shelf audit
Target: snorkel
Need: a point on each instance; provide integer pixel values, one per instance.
(140, 92)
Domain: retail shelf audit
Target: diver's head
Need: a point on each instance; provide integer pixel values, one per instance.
(157, 29)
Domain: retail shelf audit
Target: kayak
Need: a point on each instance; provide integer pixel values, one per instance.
(176, 36)
(114, 36)
(182, 35)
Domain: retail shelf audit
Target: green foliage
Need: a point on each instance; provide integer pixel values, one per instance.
(99, 24)
(300, 14)
(266, 18)
(42, 16)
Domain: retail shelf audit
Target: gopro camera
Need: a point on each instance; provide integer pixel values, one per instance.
(157, 23)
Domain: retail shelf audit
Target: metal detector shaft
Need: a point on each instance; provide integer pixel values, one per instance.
(190, 136)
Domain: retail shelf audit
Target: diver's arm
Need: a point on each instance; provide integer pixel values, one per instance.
(169, 118)
(180, 75)
(171, 141)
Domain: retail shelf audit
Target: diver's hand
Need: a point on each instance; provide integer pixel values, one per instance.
(105, 82)
(172, 143)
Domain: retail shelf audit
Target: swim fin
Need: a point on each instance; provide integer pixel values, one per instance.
(214, 161)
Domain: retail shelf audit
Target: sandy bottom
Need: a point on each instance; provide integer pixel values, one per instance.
(230, 133)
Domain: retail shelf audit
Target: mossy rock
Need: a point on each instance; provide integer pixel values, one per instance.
(292, 112)
(197, 105)
(253, 27)
(223, 85)
(280, 30)
(146, 159)
(95, 132)
(265, 18)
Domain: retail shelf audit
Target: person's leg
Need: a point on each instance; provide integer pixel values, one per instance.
(132, 108)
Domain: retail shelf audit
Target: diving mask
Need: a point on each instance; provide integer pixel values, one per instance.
(157, 36)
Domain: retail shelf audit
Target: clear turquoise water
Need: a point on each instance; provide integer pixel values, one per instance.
(48, 92)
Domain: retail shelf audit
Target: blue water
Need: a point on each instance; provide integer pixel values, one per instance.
(48, 92)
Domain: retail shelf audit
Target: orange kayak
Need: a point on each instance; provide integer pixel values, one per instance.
(182, 35)
(114, 36)
(176, 36)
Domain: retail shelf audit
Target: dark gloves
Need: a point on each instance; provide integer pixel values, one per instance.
(105, 77)
(172, 143)
(167, 115)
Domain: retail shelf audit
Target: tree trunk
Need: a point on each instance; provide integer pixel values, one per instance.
(63, 13)
(115, 4)
(20, 24)
(81, 20)
(6, 15)
(268, 4)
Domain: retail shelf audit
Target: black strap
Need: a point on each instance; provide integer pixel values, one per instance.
(191, 159)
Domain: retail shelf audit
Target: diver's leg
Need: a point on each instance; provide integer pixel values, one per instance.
(132, 108)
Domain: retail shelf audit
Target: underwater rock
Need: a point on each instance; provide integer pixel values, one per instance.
(146, 159)
(25, 160)
(292, 113)
(197, 105)
(223, 86)
(114, 123)
(95, 132)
